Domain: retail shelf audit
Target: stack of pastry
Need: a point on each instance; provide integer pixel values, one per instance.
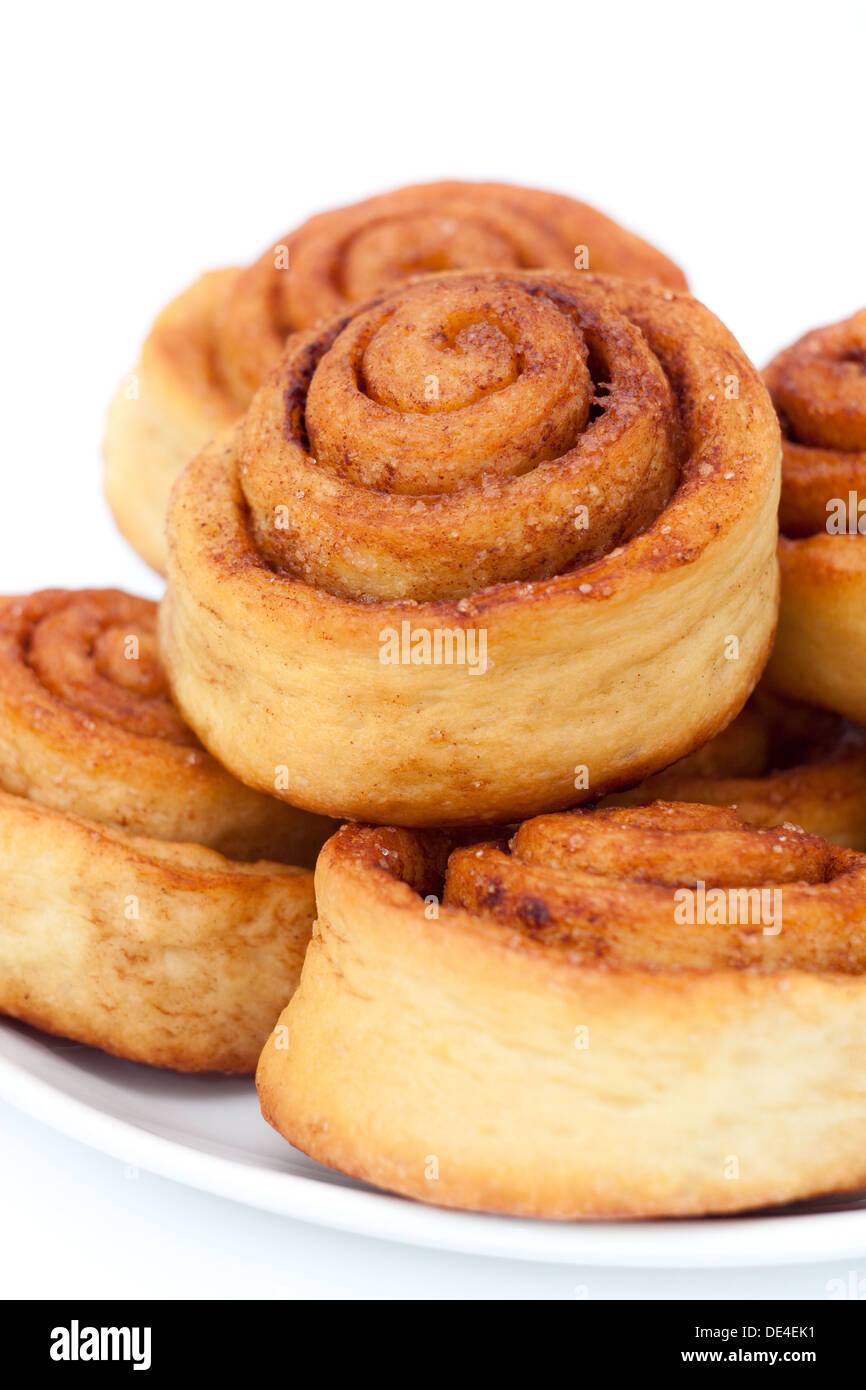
(151, 905)
(473, 538)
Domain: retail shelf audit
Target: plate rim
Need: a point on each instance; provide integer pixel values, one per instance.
(701, 1243)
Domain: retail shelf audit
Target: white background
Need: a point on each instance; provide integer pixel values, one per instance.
(146, 143)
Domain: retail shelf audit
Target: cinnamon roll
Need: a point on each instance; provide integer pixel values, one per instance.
(150, 905)
(494, 545)
(648, 1011)
(779, 761)
(210, 349)
(819, 389)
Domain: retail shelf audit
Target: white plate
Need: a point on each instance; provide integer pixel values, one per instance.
(207, 1132)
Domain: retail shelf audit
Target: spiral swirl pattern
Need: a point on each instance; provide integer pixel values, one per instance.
(87, 726)
(96, 654)
(600, 885)
(449, 438)
(211, 348)
(342, 258)
(819, 389)
(641, 1011)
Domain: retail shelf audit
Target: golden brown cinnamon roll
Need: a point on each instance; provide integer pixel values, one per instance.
(495, 544)
(141, 910)
(651, 1011)
(819, 389)
(779, 761)
(211, 347)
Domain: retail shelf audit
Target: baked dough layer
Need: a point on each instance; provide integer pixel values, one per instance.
(210, 348)
(123, 922)
(163, 953)
(164, 413)
(550, 1041)
(614, 647)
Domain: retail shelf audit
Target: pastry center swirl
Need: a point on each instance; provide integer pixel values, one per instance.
(391, 249)
(463, 432)
(819, 390)
(612, 877)
(439, 395)
(819, 387)
(97, 653)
